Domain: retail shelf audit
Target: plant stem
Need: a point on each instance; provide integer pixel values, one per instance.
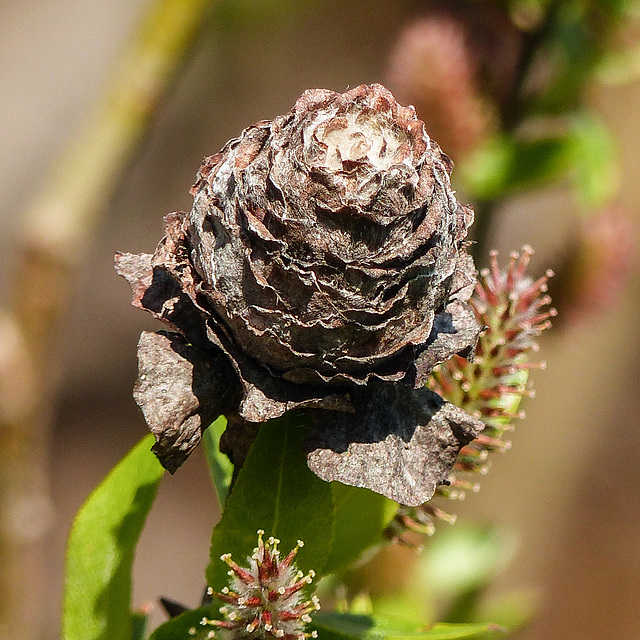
(512, 114)
(58, 226)
(485, 211)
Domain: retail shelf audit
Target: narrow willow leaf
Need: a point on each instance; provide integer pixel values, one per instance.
(595, 165)
(276, 492)
(101, 548)
(139, 624)
(461, 562)
(220, 467)
(360, 518)
(186, 626)
(585, 153)
(444, 631)
(513, 610)
(393, 630)
(620, 66)
(339, 626)
(343, 626)
(504, 165)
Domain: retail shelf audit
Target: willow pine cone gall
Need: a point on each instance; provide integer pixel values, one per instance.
(323, 267)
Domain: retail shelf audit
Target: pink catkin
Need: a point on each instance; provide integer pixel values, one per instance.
(432, 68)
(514, 308)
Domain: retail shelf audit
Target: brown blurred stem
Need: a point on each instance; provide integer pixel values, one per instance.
(512, 114)
(58, 226)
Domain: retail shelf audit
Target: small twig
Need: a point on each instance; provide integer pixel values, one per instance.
(515, 107)
(511, 116)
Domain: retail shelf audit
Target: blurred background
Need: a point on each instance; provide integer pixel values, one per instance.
(568, 490)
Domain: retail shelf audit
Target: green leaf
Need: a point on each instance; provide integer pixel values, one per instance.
(186, 626)
(343, 626)
(275, 491)
(585, 153)
(465, 557)
(505, 165)
(394, 630)
(139, 624)
(513, 610)
(360, 517)
(101, 548)
(220, 467)
(595, 161)
(620, 66)
(406, 604)
(571, 51)
(339, 626)
(235, 16)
